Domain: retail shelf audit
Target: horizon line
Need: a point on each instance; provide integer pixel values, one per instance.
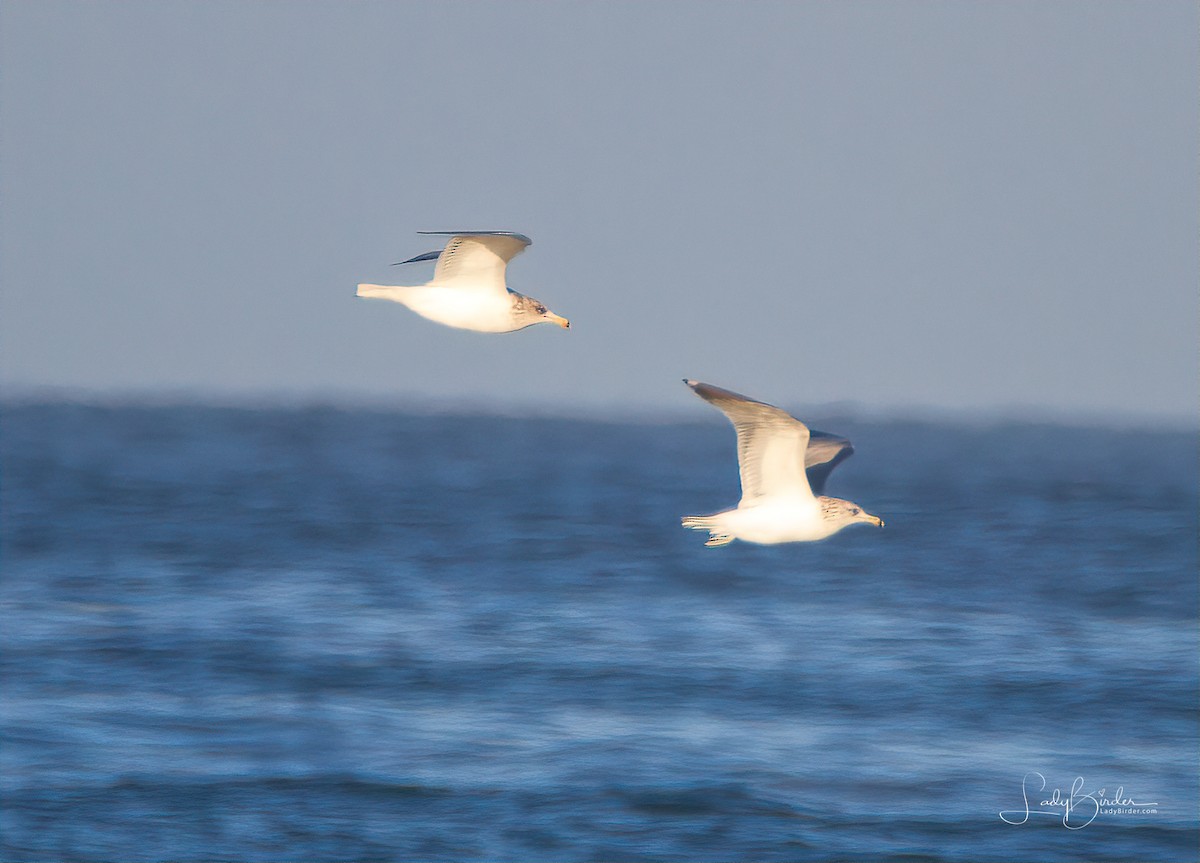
(612, 410)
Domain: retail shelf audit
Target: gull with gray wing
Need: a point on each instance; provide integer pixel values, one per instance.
(468, 289)
(783, 469)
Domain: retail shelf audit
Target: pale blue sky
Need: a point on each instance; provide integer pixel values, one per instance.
(957, 206)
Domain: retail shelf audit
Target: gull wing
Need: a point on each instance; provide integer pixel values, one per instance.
(825, 452)
(428, 256)
(476, 259)
(771, 445)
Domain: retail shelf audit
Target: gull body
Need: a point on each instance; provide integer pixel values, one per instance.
(484, 313)
(774, 521)
(468, 289)
(783, 469)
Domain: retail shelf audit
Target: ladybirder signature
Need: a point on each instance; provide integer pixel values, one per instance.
(1077, 809)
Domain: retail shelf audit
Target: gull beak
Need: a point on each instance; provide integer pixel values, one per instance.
(874, 519)
(555, 319)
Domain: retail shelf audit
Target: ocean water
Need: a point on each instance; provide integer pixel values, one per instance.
(326, 634)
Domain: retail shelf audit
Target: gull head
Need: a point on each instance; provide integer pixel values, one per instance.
(527, 311)
(844, 512)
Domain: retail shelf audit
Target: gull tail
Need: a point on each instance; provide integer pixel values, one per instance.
(707, 522)
(395, 293)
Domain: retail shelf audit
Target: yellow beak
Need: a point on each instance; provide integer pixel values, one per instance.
(555, 319)
(873, 519)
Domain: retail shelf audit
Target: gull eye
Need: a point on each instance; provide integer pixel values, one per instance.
(541, 310)
(855, 510)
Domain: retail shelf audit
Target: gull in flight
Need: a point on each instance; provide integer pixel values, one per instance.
(468, 290)
(784, 467)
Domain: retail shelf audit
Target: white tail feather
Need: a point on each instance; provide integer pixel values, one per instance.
(706, 522)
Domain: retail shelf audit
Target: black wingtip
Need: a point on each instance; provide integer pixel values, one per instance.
(427, 256)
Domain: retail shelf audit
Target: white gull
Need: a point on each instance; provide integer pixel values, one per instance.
(468, 288)
(783, 469)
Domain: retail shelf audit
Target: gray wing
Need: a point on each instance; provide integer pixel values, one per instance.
(521, 238)
(825, 452)
(771, 444)
(477, 259)
(428, 256)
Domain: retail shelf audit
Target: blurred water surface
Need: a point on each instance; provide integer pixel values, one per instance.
(322, 634)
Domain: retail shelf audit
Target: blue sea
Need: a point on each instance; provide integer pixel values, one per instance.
(332, 634)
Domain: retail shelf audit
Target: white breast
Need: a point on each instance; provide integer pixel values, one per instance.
(467, 310)
(779, 521)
